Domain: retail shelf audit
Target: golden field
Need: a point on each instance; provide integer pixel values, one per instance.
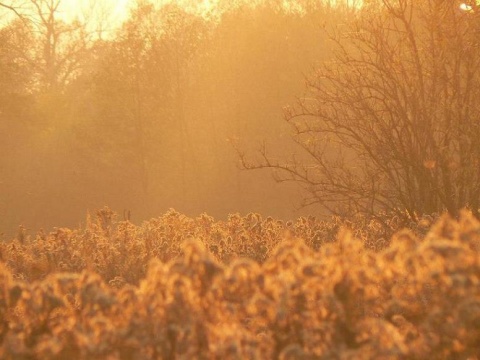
(250, 287)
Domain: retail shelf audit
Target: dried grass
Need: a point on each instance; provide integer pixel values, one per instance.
(247, 288)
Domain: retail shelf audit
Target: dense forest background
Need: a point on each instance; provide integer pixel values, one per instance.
(146, 118)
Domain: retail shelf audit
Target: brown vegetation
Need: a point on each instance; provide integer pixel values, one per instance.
(247, 288)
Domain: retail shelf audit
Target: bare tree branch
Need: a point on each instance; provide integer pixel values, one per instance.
(13, 9)
(390, 123)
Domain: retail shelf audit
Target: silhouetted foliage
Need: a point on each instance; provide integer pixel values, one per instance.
(391, 122)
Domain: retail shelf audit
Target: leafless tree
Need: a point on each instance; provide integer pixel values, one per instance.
(392, 122)
(11, 7)
(60, 46)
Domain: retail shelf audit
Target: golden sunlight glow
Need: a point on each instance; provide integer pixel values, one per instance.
(108, 15)
(116, 10)
(466, 7)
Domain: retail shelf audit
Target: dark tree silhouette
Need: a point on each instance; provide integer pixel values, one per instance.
(391, 123)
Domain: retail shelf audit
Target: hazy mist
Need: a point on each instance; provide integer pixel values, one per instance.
(149, 119)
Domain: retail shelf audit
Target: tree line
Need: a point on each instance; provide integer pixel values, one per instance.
(143, 118)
